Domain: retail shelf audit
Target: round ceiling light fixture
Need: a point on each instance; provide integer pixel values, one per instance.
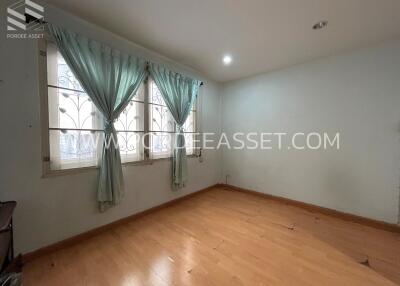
(227, 60)
(320, 25)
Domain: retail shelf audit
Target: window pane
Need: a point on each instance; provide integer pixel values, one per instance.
(161, 119)
(72, 149)
(161, 144)
(189, 141)
(59, 73)
(70, 109)
(131, 119)
(155, 94)
(66, 78)
(194, 106)
(189, 125)
(128, 125)
(139, 96)
(130, 146)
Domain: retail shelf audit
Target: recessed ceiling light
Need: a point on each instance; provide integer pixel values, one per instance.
(320, 25)
(227, 60)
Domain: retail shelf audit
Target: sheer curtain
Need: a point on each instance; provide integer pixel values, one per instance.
(74, 121)
(179, 93)
(110, 78)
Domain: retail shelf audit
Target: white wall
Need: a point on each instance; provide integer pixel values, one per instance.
(52, 209)
(356, 94)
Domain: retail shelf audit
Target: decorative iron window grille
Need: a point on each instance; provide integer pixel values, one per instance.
(75, 124)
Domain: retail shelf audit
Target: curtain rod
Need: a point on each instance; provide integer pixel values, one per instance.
(147, 68)
(30, 19)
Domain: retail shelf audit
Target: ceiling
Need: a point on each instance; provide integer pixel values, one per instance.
(261, 35)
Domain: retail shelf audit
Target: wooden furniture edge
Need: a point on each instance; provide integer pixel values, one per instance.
(323, 210)
(28, 257)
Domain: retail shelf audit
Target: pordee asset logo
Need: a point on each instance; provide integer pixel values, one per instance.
(25, 20)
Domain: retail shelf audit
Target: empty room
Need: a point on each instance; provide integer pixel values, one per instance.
(199, 142)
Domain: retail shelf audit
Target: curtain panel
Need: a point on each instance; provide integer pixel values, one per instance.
(179, 93)
(111, 79)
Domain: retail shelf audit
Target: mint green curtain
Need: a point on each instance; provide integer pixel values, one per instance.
(179, 93)
(111, 79)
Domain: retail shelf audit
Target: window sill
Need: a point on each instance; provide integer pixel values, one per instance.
(170, 158)
(65, 172)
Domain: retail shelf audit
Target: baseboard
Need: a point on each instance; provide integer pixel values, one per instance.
(317, 209)
(310, 207)
(88, 234)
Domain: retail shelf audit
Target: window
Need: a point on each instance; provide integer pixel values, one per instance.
(130, 128)
(162, 126)
(74, 122)
(73, 136)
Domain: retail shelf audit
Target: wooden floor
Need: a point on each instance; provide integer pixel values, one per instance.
(223, 237)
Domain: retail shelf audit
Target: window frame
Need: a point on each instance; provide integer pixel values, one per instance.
(45, 128)
(149, 105)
